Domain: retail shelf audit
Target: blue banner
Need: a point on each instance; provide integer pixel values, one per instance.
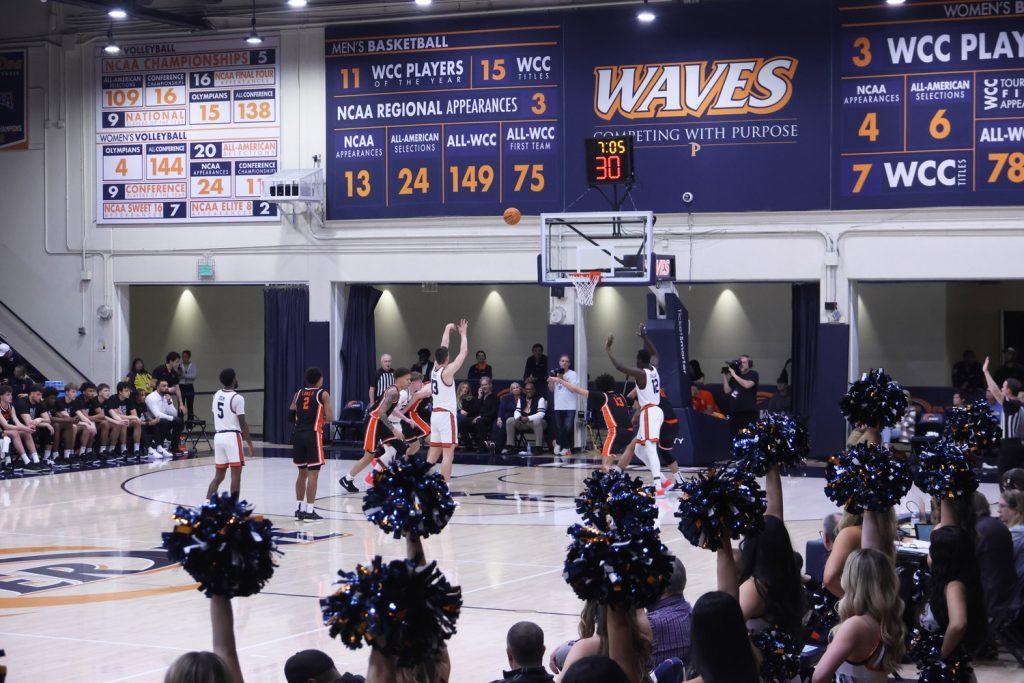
(470, 117)
(13, 130)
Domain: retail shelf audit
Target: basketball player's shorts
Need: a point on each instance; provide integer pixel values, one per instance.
(377, 432)
(648, 428)
(667, 441)
(227, 450)
(415, 431)
(443, 431)
(616, 441)
(307, 450)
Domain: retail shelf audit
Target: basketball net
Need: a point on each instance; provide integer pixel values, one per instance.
(585, 284)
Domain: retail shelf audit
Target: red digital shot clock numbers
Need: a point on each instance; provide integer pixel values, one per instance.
(609, 160)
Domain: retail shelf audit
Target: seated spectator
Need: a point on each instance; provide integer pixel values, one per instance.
(486, 412)
(1012, 480)
(670, 619)
(782, 401)
(314, 666)
(524, 646)
(595, 669)
(33, 414)
(481, 369)
(1011, 513)
(150, 425)
(170, 423)
(967, 375)
(168, 372)
(139, 377)
(1010, 369)
(467, 406)
(528, 417)
(830, 529)
(22, 383)
(423, 364)
(536, 366)
(999, 580)
(702, 400)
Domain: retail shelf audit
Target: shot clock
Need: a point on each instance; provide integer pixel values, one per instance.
(609, 160)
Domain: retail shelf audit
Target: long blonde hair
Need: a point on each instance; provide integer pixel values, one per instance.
(871, 588)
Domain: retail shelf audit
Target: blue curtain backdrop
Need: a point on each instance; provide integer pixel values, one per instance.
(286, 312)
(805, 347)
(358, 343)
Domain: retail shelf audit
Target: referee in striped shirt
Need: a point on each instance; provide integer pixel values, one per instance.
(1011, 446)
(384, 378)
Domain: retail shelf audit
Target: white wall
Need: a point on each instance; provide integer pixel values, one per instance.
(47, 220)
(506, 320)
(902, 327)
(221, 325)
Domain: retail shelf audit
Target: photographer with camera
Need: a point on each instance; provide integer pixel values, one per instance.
(739, 382)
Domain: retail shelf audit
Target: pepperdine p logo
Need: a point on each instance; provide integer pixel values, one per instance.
(694, 89)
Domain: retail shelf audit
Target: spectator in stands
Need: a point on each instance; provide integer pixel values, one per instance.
(956, 606)
(486, 412)
(507, 406)
(999, 578)
(536, 366)
(33, 413)
(702, 400)
(481, 369)
(967, 374)
(564, 412)
(382, 379)
(467, 405)
(19, 433)
(6, 362)
(187, 373)
(528, 417)
(22, 383)
(150, 424)
(524, 646)
(63, 425)
(168, 372)
(958, 399)
(740, 386)
(1012, 480)
(423, 364)
(314, 666)
(830, 529)
(170, 425)
(140, 377)
(1011, 448)
(782, 401)
(670, 619)
(1010, 369)
(1011, 513)
(721, 649)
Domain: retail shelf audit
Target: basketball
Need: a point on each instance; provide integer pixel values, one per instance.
(512, 215)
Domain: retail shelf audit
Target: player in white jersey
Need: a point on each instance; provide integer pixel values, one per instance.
(648, 388)
(443, 431)
(231, 427)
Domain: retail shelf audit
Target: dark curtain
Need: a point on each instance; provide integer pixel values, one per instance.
(805, 346)
(358, 343)
(285, 312)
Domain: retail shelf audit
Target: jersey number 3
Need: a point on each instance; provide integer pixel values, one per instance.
(220, 409)
(433, 387)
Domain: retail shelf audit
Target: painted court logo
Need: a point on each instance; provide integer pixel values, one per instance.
(694, 89)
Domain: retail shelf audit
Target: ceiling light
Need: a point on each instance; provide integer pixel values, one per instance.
(646, 14)
(894, 2)
(297, 3)
(253, 38)
(423, 3)
(111, 48)
(117, 13)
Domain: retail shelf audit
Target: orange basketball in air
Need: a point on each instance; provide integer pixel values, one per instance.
(512, 215)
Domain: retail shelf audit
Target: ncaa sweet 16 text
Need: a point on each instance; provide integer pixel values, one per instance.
(187, 131)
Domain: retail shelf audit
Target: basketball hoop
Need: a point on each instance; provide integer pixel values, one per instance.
(585, 284)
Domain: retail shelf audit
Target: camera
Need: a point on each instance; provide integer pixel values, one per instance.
(734, 364)
(557, 373)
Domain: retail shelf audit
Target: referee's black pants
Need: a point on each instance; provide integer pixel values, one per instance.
(1010, 455)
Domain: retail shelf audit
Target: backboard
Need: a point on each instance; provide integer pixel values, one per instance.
(619, 244)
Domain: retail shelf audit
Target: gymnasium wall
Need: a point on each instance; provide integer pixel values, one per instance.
(221, 325)
(726, 320)
(59, 266)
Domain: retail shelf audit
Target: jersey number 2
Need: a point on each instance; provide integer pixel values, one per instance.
(305, 403)
(220, 409)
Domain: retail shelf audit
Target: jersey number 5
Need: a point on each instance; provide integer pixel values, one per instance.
(220, 409)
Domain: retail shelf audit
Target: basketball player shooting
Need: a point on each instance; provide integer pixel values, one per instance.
(231, 427)
(648, 388)
(443, 430)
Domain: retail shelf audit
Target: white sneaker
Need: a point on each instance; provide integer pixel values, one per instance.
(152, 453)
(164, 453)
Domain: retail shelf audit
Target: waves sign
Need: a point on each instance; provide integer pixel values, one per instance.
(13, 130)
(794, 105)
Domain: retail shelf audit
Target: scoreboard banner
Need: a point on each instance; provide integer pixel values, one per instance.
(469, 117)
(13, 130)
(928, 104)
(186, 131)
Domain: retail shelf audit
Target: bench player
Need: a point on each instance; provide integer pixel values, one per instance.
(444, 433)
(648, 396)
(230, 427)
(310, 409)
(612, 406)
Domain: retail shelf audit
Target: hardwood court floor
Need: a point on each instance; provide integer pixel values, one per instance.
(86, 594)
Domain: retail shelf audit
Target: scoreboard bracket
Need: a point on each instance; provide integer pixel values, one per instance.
(301, 189)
